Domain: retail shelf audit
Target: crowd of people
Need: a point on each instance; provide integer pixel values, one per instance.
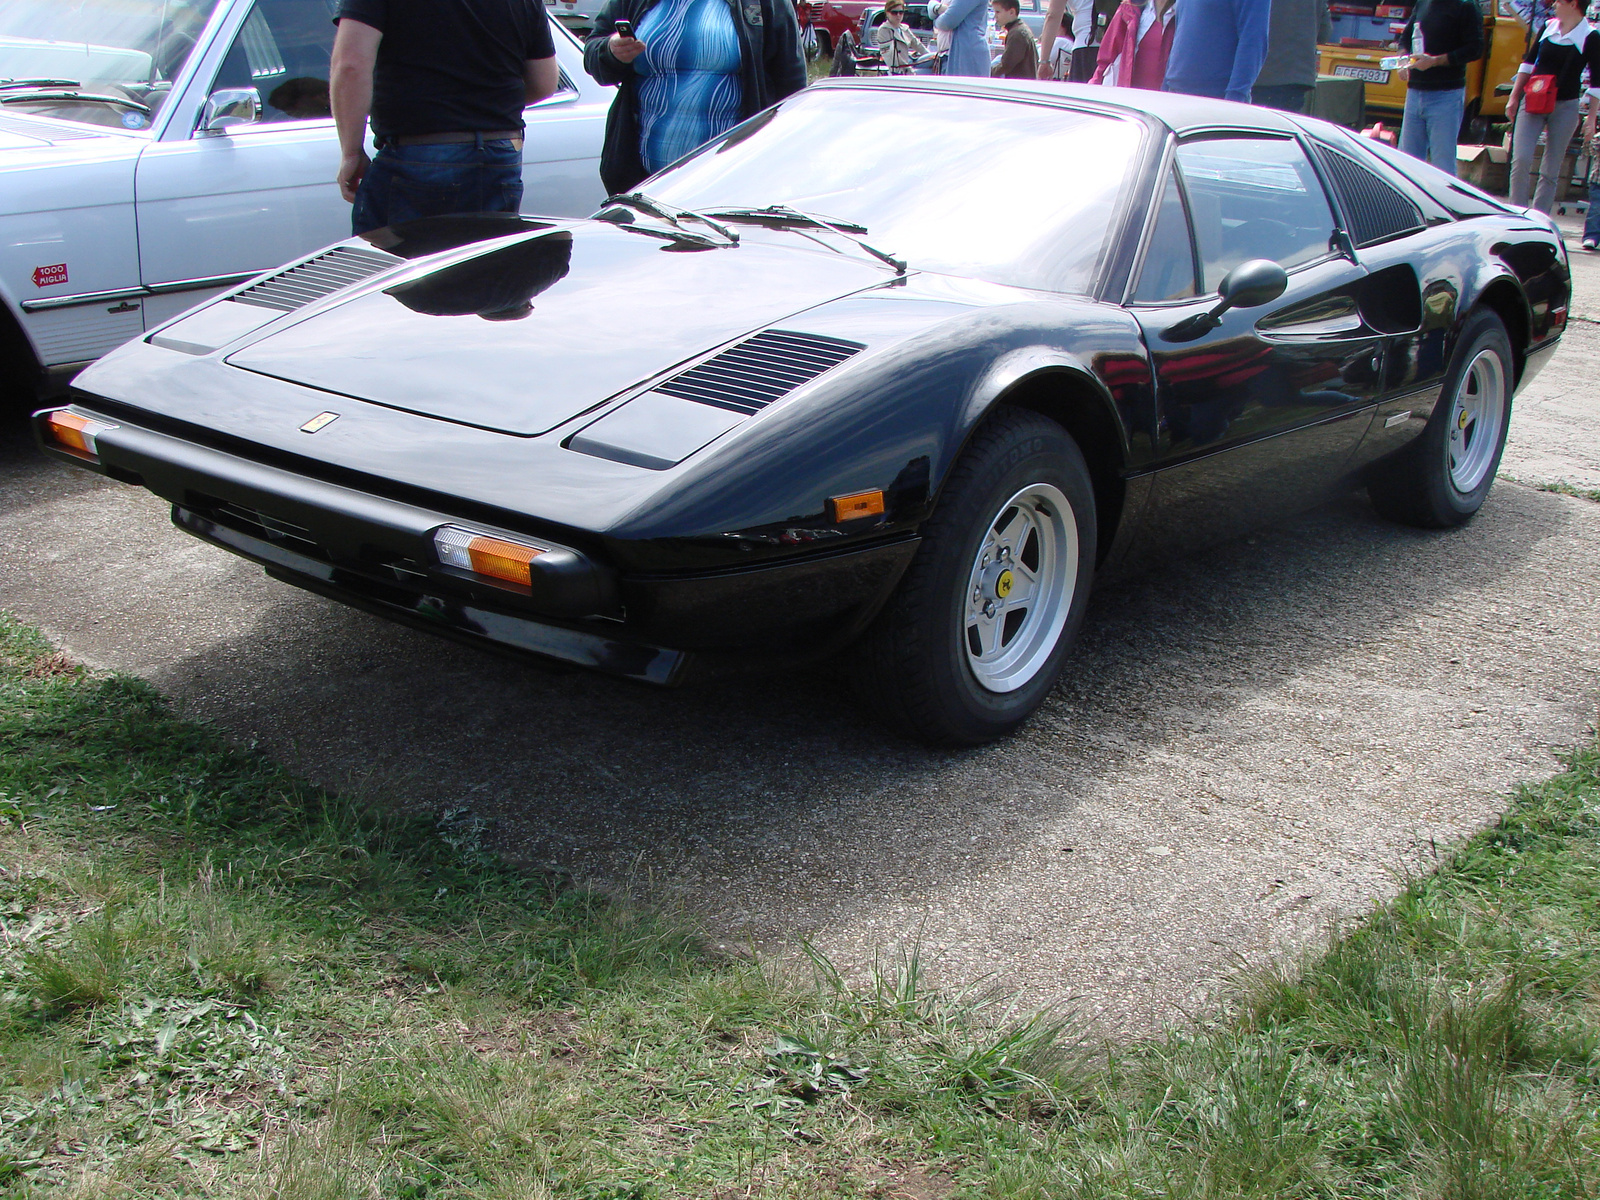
(686, 71)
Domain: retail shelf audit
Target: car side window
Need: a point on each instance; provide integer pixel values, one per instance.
(282, 50)
(1253, 198)
(1168, 270)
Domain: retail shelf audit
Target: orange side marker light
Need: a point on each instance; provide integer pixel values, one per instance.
(855, 506)
(75, 434)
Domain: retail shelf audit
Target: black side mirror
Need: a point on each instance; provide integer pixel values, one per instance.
(1249, 285)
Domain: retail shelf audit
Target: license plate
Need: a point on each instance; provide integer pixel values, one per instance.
(1370, 74)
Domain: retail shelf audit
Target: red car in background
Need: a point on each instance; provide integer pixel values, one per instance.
(830, 18)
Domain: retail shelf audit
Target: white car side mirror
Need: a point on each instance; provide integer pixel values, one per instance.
(230, 106)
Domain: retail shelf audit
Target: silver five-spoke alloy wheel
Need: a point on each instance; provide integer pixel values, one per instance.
(1476, 416)
(1020, 589)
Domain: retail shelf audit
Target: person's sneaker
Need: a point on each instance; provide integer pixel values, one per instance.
(1590, 244)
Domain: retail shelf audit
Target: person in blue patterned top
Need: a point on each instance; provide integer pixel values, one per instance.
(689, 78)
(686, 72)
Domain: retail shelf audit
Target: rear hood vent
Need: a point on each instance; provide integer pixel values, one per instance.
(748, 377)
(316, 278)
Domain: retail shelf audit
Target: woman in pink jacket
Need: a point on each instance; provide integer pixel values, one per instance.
(1134, 51)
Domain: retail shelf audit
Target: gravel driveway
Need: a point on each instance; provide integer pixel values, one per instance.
(1244, 748)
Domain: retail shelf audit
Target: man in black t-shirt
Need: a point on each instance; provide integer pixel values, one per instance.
(445, 83)
(1442, 37)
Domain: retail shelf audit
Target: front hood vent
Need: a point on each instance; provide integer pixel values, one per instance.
(45, 133)
(748, 377)
(316, 278)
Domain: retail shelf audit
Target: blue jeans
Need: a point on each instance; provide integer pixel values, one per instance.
(407, 182)
(1431, 125)
(1591, 223)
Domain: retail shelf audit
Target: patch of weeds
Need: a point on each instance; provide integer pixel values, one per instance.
(1561, 488)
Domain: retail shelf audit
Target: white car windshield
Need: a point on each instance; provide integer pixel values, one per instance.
(992, 189)
(108, 62)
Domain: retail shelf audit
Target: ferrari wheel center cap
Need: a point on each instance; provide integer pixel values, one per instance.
(997, 582)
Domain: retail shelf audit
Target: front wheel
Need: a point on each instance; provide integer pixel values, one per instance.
(1442, 478)
(974, 637)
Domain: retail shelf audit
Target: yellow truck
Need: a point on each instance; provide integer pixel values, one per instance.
(1364, 34)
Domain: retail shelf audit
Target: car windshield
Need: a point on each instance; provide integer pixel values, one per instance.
(106, 51)
(1013, 193)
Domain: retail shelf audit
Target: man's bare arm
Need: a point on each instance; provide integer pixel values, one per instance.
(541, 76)
(355, 53)
(1047, 37)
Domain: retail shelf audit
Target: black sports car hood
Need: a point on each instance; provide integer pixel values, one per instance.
(532, 332)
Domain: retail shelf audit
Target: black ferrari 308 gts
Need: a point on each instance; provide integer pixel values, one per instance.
(903, 363)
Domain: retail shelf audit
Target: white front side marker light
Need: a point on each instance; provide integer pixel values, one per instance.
(492, 557)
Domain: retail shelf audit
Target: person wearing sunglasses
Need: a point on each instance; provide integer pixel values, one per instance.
(898, 42)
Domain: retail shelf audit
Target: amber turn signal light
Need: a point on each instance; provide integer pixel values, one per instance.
(855, 506)
(75, 434)
(491, 557)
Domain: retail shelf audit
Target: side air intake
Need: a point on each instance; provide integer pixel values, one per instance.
(1376, 211)
(319, 277)
(748, 377)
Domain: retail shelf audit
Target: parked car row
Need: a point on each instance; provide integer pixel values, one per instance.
(153, 152)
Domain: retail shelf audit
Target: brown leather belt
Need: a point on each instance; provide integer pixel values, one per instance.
(442, 139)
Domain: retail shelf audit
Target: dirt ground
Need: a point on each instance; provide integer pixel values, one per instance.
(1243, 749)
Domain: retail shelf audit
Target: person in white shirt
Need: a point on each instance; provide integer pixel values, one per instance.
(1058, 62)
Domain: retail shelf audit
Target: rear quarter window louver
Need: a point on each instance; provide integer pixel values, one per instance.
(748, 377)
(1376, 210)
(316, 278)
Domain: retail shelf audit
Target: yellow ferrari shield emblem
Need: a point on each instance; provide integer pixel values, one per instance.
(1002, 584)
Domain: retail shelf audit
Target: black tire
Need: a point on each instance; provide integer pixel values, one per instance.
(918, 671)
(1420, 486)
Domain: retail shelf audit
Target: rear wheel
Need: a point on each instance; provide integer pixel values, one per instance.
(974, 637)
(1441, 479)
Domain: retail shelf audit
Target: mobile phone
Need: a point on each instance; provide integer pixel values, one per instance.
(623, 29)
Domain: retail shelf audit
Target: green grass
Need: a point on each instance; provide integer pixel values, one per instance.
(217, 980)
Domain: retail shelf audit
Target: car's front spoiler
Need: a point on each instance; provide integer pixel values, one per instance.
(444, 614)
(346, 525)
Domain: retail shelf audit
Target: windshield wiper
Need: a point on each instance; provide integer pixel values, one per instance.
(672, 216)
(7, 85)
(31, 97)
(782, 214)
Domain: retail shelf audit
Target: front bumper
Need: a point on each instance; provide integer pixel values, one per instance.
(377, 554)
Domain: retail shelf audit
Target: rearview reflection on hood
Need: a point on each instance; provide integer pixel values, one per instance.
(498, 286)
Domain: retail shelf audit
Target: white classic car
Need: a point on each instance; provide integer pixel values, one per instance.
(154, 151)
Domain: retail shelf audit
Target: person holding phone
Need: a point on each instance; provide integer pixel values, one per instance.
(686, 72)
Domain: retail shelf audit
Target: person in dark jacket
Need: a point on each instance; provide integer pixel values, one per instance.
(1442, 37)
(1288, 74)
(1020, 57)
(692, 71)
